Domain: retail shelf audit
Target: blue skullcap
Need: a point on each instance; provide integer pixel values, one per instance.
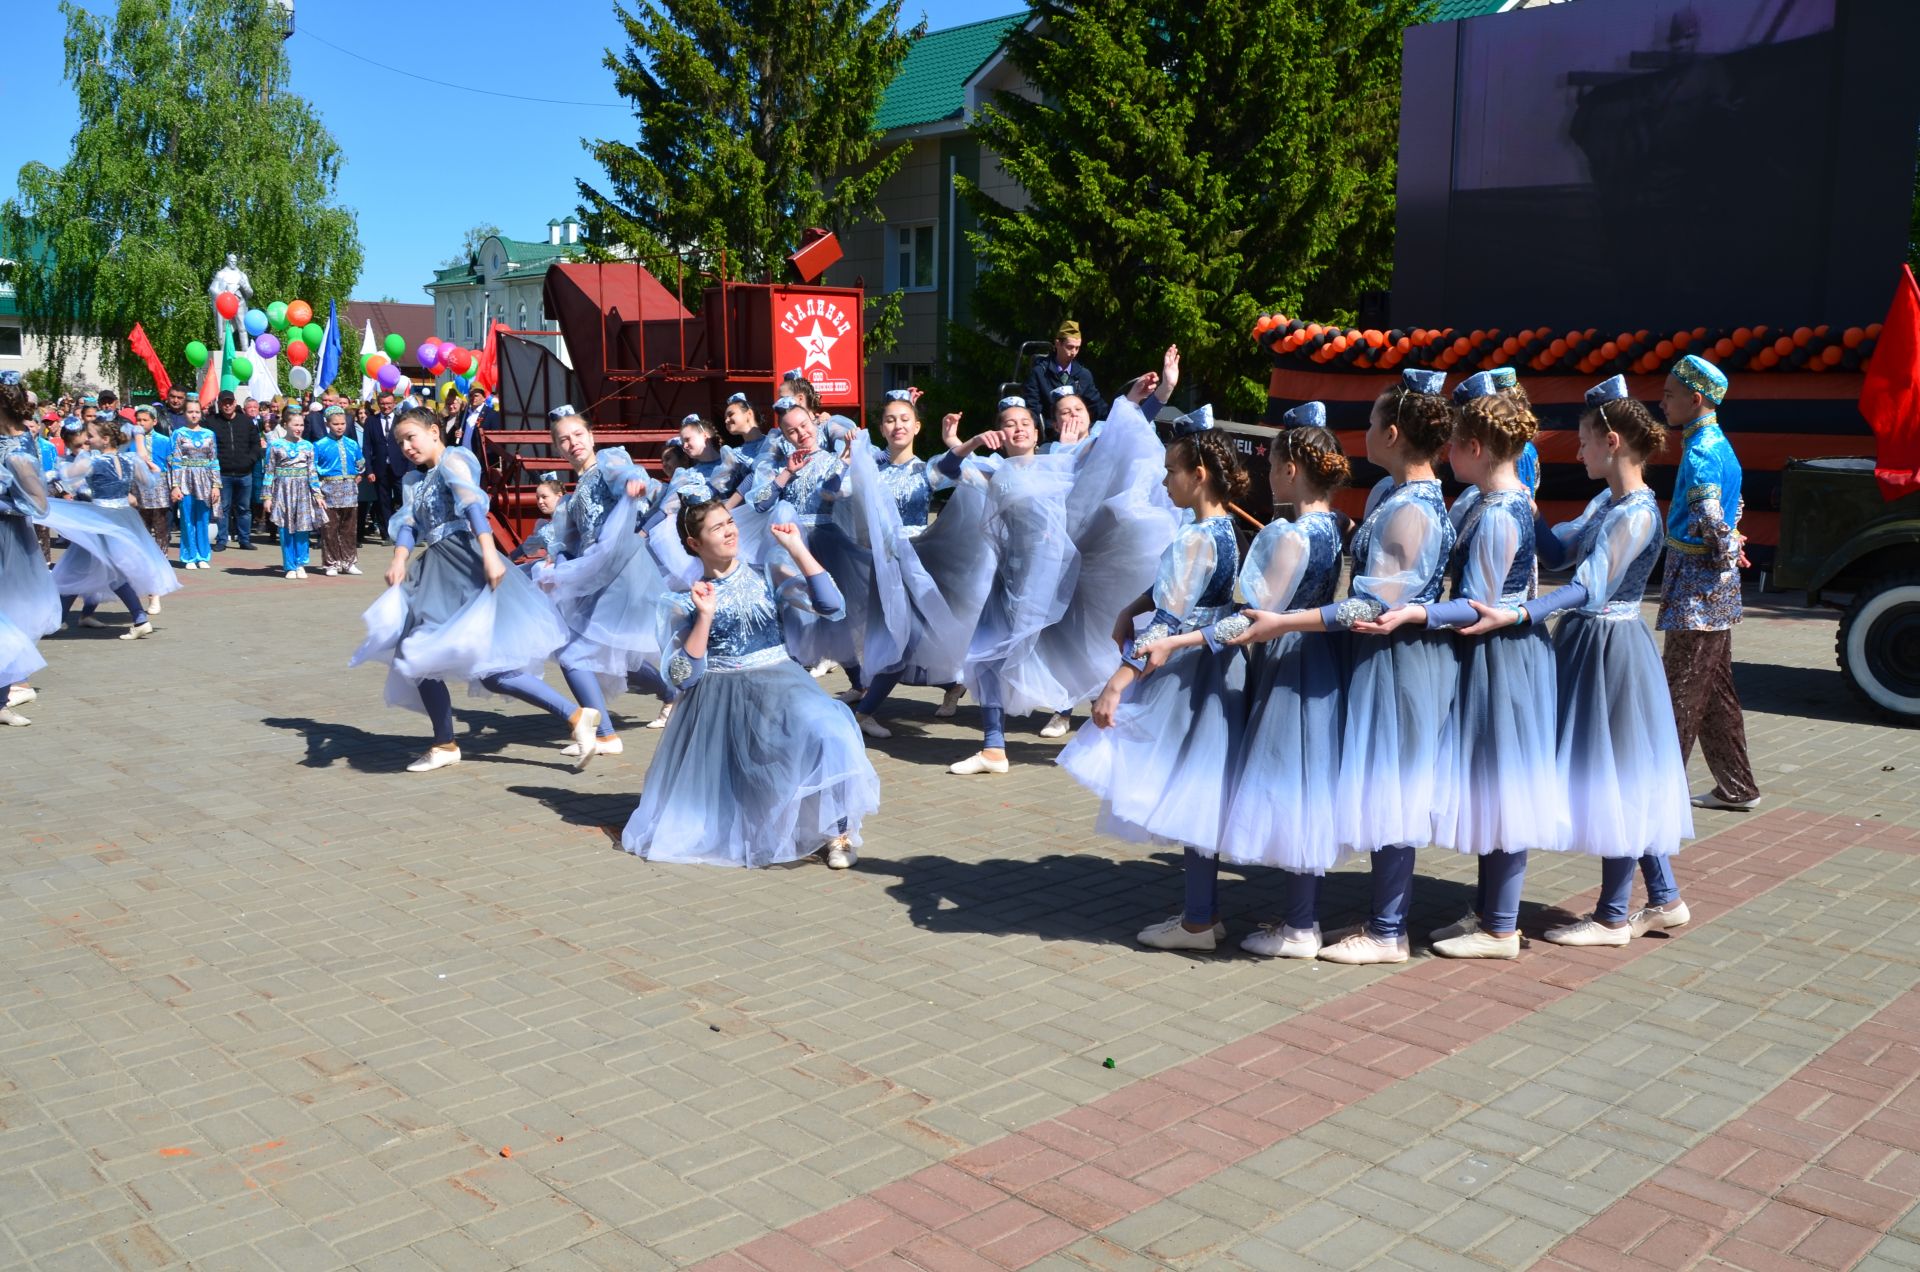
(900, 395)
(1478, 385)
(1432, 383)
(89, 400)
(1013, 401)
(1709, 381)
(9, 377)
(1306, 415)
(1198, 420)
(332, 411)
(71, 421)
(1613, 389)
(1505, 378)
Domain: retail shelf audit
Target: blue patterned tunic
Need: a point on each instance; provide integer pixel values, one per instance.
(1701, 591)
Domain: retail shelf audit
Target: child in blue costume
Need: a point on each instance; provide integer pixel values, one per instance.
(194, 477)
(758, 765)
(1279, 812)
(109, 551)
(1158, 749)
(600, 575)
(29, 603)
(152, 493)
(549, 494)
(1504, 796)
(1618, 749)
(452, 609)
(1397, 741)
(341, 467)
(944, 566)
(293, 500)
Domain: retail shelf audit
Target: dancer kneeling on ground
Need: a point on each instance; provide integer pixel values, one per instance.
(758, 764)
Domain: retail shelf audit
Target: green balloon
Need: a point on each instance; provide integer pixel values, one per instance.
(277, 315)
(396, 344)
(242, 367)
(196, 353)
(312, 334)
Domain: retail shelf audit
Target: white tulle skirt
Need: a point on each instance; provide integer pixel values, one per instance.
(1280, 813)
(1618, 751)
(442, 622)
(107, 547)
(28, 598)
(1162, 770)
(1398, 743)
(1505, 793)
(756, 767)
(609, 598)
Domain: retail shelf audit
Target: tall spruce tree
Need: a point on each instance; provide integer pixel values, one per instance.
(1188, 163)
(189, 147)
(755, 123)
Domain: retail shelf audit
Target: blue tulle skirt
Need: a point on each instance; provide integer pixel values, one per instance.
(1618, 750)
(1162, 770)
(812, 638)
(28, 598)
(1397, 746)
(1279, 813)
(444, 623)
(947, 571)
(1505, 793)
(756, 767)
(609, 598)
(107, 547)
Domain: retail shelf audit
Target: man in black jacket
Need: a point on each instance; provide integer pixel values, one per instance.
(1062, 367)
(174, 414)
(239, 440)
(386, 464)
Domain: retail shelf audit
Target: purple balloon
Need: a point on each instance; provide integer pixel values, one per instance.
(268, 345)
(388, 376)
(427, 354)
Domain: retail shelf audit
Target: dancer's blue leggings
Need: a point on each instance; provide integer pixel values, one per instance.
(528, 688)
(1616, 885)
(124, 591)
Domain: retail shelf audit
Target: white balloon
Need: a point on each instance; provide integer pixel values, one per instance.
(300, 377)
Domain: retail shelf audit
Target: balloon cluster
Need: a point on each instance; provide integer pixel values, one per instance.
(1300, 345)
(279, 328)
(446, 358)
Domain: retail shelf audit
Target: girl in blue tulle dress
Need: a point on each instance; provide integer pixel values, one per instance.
(453, 609)
(109, 551)
(1074, 535)
(944, 571)
(758, 765)
(1279, 812)
(601, 577)
(1618, 750)
(1158, 749)
(29, 604)
(1504, 796)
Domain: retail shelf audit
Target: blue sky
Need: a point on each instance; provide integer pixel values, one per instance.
(413, 208)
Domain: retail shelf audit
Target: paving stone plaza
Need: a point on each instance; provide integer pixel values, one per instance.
(273, 1003)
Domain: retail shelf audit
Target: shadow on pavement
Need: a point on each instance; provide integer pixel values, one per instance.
(605, 813)
(483, 736)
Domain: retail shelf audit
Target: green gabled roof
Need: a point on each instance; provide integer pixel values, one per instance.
(1449, 10)
(931, 85)
(520, 252)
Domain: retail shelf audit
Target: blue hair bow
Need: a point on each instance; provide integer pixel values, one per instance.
(1609, 390)
(1015, 400)
(561, 412)
(1198, 420)
(1306, 415)
(900, 395)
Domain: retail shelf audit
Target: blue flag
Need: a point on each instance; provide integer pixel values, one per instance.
(329, 351)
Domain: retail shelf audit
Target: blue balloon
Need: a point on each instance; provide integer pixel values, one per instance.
(463, 384)
(256, 321)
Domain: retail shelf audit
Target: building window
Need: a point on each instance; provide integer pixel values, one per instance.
(450, 331)
(522, 324)
(911, 258)
(469, 318)
(907, 375)
(10, 343)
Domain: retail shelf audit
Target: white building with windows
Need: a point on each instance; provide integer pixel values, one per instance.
(504, 279)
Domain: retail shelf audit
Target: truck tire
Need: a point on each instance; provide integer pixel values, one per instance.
(1879, 646)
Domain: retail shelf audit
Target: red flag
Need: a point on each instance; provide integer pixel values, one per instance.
(487, 375)
(210, 380)
(143, 349)
(1890, 395)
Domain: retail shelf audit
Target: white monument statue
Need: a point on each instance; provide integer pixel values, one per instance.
(230, 279)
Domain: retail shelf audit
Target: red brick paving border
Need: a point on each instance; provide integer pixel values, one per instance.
(1011, 1202)
(1813, 1175)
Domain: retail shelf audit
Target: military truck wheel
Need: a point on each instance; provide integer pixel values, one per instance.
(1879, 646)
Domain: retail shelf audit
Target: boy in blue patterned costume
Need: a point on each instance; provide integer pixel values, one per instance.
(1700, 595)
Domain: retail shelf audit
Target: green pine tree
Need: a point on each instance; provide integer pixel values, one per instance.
(189, 147)
(1188, 165)
(755, 123)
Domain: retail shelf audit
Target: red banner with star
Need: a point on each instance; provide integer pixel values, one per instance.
(818, 333)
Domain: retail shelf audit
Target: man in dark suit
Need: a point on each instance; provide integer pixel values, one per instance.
(1063, 367)
(386, 465)
(316, 426)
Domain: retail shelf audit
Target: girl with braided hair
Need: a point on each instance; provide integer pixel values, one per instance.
(29, 604)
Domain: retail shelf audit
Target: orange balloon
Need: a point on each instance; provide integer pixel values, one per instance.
(1853, 337)
(1376, 338)
(1873, 331)
(1461, 346)
(1625, 340)
(1724, 349)
(1557, 350)
(1663, 350)
(1740, 337)
(1510, 346)
(1760, 333)
(299, 314)
(1609, 351)
(1402, 345)
(1363, 361)
(1765, 359)
(1477, 337)
(375, 362)
(1314, 329)
(1821, 330)
(1802, 334)
(1338, 344)
(1831, 355)
(1783, 346)
(1681, 339)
